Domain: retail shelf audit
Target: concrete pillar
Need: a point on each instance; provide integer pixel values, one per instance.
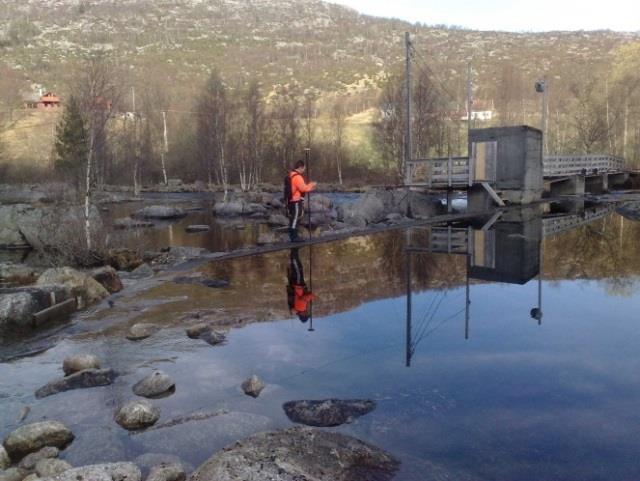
(478, 199)
(574, 185)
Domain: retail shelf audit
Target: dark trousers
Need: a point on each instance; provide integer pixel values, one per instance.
(295, 214)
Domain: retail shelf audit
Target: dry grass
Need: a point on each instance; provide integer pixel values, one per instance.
(28, 141)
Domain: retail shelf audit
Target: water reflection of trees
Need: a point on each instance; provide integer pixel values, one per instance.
(605, 250)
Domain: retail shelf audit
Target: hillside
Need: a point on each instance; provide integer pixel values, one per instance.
(316, 43)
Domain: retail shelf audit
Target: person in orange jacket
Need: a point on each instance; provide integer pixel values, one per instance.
(298, 189)
(299, 297)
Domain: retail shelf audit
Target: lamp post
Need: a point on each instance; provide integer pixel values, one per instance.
(543, 88)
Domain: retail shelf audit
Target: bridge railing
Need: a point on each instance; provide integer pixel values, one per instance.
(440, 172)
(560, 165)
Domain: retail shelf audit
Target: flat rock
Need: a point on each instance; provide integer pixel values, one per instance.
(33, 437)
(30, 460)
(80, 362)
(101, 472)
(157, 384)
(167, 472)
(46, 468)
(141, 331)
(143, 271)
(298, 454)
(327, 413)
(253, 386)
(80, 380)
(137, 414)
(197, 228)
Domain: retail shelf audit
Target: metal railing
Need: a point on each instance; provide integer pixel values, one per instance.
(559, 165)
(557, 225)
(440, 172)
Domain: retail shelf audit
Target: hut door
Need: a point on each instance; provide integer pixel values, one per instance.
(485, 156)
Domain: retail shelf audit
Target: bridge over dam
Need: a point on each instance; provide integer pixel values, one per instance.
(506, 165)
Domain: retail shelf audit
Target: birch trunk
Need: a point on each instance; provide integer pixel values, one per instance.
(87, 196)
(165, 147)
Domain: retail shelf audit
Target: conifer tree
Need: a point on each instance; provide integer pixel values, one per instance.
(71, 143)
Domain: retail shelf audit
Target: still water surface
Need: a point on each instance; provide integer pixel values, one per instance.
(474, 385)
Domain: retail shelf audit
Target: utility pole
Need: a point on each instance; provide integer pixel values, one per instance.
(469, 102)
(407, 135)
(543, 88)
(133, 99)
(165, 146)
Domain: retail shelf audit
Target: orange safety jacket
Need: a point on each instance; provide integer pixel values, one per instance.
(301, 299)
(298, 186)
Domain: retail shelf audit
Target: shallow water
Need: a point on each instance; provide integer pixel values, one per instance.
(485, 394)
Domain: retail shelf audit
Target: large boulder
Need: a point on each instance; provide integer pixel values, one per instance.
(237, 208)
(163, 212)
(137, 415)
(100, 472)
(79, 283)
(299, 454)
(33, 437)
(51, 467)
(367, 209)
(18, 305)
(12, 217)
(327, 413)
(30, 460)
(167, 472)
(80, 380)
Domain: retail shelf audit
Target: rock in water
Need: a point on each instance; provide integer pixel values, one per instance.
(141, 331)
(195, 331)
(137, 415)
(167, 472)
(48, 468)
(5, 461)
(80, 362)
(327, 413)
(108, 278)
(79, 380)
(30, 460)
(155, 385)
(213, 337)
(33, 437)
(253, 386)
(141, 272)
(298, 454)
(101, 472)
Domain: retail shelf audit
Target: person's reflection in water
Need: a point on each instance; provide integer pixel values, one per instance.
(299, 297)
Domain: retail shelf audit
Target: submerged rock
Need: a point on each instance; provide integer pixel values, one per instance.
(157, 384)
(129, 223)
(80, 362)
(327, 413)
(299, 454)
(143, 271)
(198, 228)
(30, 460)
(101, 472)
(137, 415)
(141, 331)
(160, 212)
(211, 283)
(167, 472)
(79, 380)
(33, 437)
(253, 386)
